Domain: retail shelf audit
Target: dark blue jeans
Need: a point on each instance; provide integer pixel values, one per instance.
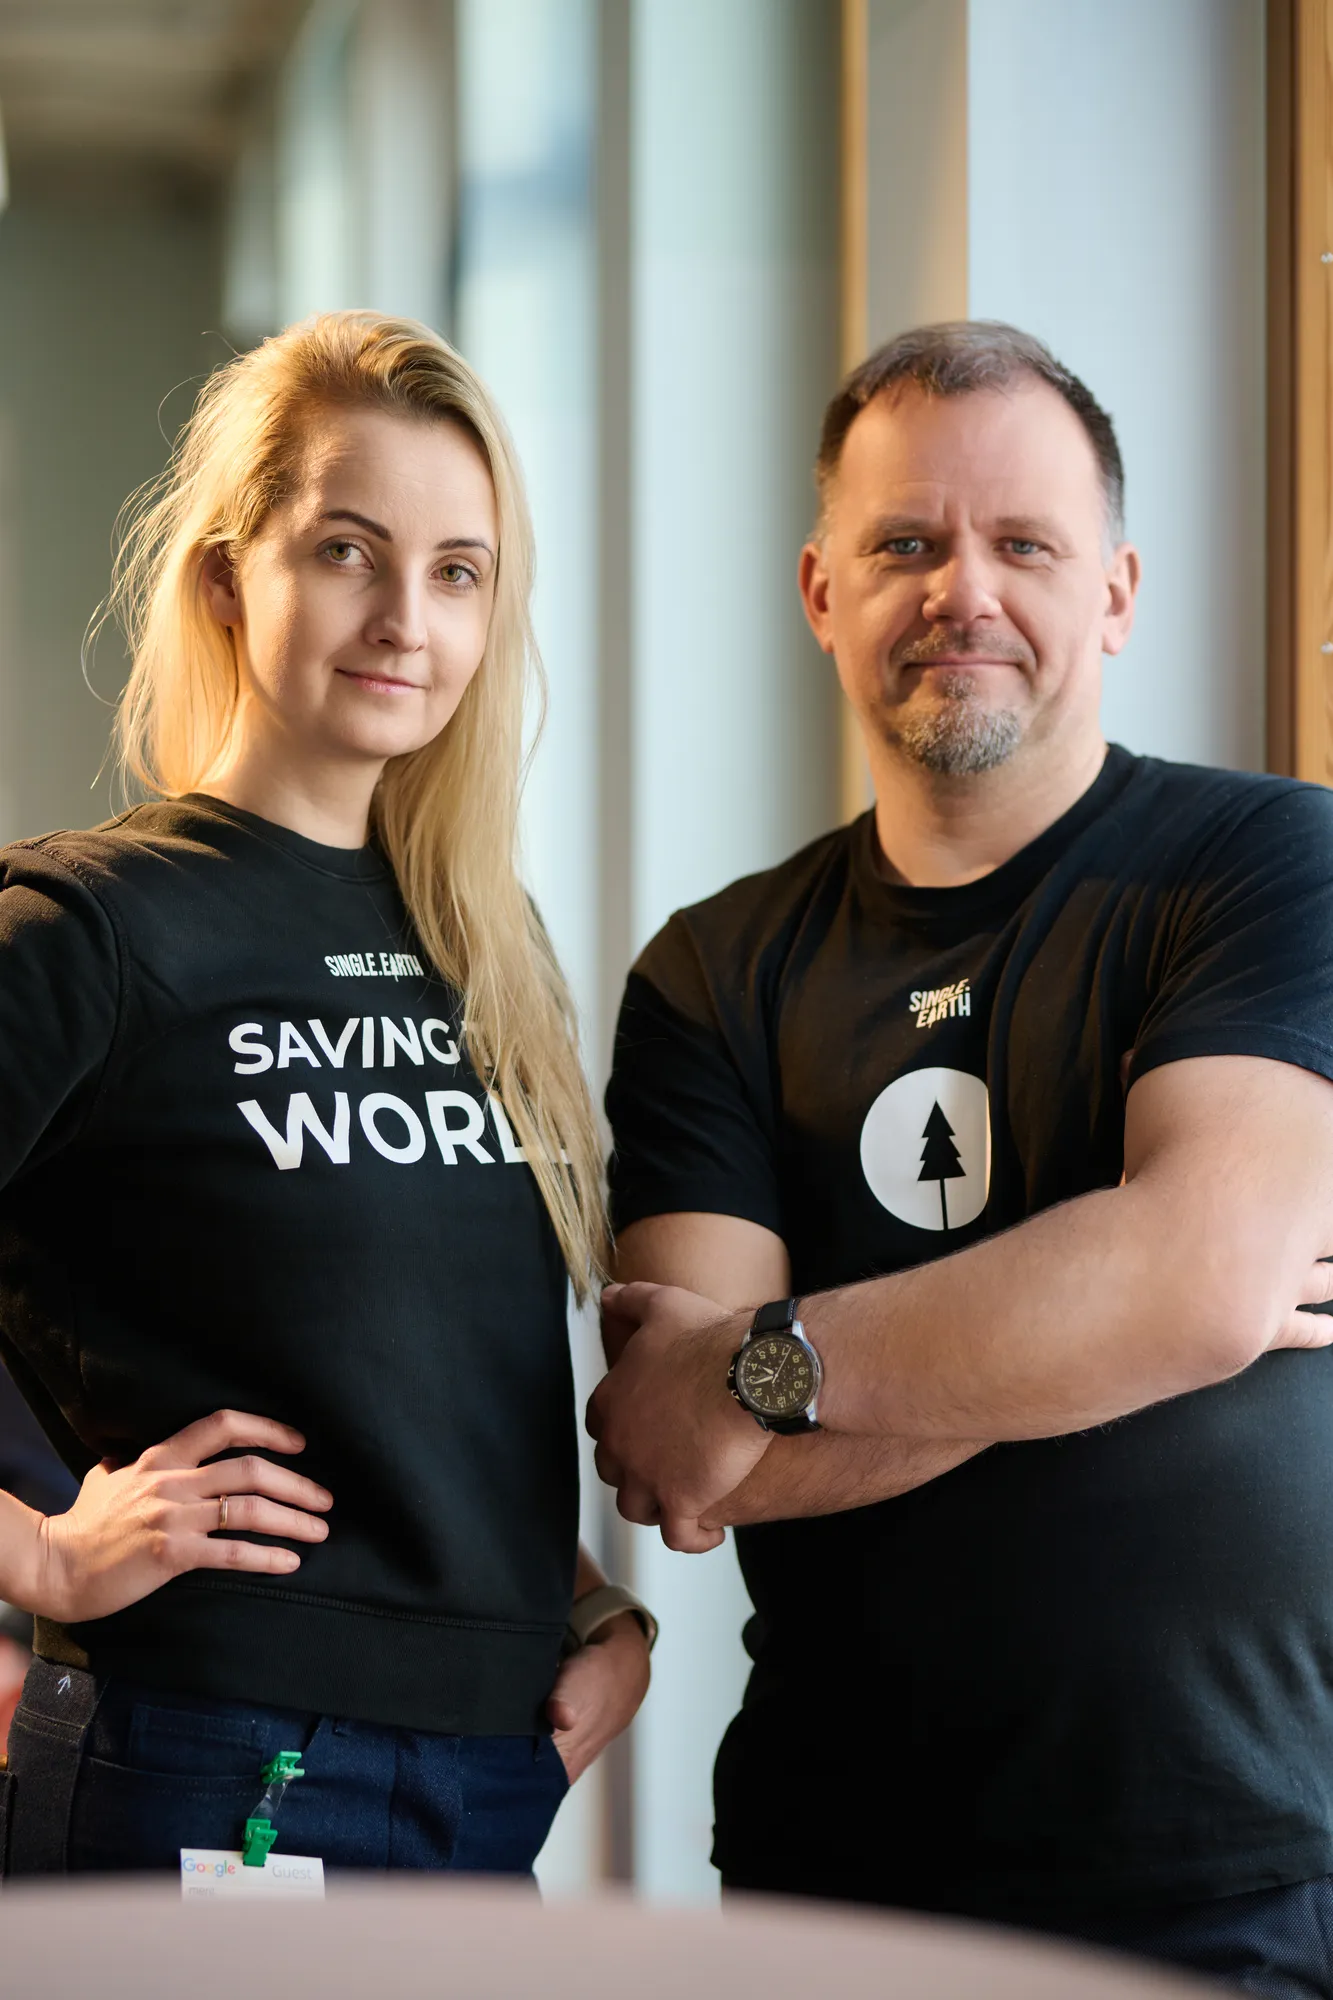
(158, 1772)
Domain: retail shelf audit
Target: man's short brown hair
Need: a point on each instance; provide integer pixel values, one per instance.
(955, 358)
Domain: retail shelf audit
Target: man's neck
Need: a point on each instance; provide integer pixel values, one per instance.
(938, 833)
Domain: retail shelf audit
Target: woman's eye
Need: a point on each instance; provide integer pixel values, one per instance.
(457, 574)
(343, 555)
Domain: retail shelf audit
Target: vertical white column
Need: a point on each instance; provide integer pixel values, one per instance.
(1117, 212)
(524, 308)
(400, 112)
(733, 725)
(525, 317)
(735, 249)
(314, 169)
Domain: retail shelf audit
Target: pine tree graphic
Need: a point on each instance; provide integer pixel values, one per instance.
(940, 1159)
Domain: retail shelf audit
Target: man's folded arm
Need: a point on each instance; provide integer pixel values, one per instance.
(740, 1264)
(1177, 1279)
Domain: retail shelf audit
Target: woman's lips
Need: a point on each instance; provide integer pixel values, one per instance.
(380, 683)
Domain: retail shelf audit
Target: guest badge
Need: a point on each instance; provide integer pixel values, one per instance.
(219, 1875)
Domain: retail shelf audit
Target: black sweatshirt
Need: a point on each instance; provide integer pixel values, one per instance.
(245, 1162)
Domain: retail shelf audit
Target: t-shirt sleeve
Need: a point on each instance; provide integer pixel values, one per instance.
(1248, 968)
(690, 1101)
(59, 1004)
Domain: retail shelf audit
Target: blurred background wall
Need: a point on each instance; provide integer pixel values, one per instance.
(633, 216)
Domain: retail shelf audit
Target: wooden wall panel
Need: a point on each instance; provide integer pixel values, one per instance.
(1301, 388)
(853, 774)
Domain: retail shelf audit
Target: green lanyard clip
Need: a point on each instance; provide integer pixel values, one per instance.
(260, 1832)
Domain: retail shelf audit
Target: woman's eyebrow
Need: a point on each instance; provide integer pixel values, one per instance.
(378, 529)
(467, 542)
(361, 521)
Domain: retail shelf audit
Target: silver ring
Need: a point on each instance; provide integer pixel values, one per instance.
(222, 1514)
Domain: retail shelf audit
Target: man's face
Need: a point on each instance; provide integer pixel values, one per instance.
(964, 581)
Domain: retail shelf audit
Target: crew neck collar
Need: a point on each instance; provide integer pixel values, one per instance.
(352, 864)
(1005, 886)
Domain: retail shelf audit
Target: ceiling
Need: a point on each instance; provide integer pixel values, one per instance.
(138, 86)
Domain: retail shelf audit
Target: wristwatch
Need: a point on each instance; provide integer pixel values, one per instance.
(775, 1373)
(598, 1607)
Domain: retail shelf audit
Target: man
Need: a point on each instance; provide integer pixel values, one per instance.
(1021, 1083)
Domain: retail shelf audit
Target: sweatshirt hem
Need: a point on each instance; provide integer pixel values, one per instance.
(449, 1676)
(1042, 1896)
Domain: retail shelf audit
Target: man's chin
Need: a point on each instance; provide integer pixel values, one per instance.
(957, 740)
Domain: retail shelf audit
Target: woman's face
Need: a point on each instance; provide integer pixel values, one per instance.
(360, 610)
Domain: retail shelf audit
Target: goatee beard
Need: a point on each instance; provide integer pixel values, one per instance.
(959, 736)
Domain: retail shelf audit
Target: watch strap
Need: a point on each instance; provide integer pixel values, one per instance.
(587, 1614)
(776, 1317)
(796, 1426)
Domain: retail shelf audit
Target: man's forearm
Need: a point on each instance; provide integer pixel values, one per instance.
(1076, 1317)
(822, 1474)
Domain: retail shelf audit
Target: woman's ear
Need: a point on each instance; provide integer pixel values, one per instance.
(218, 580)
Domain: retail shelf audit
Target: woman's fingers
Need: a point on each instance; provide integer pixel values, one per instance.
(258, 1475)
(253, 1556)
(225, 1430)
(255, 1516)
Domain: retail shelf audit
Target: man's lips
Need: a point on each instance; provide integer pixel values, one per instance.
(964, 660)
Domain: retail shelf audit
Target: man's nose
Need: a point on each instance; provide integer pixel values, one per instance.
(962, 590)
(398, 619)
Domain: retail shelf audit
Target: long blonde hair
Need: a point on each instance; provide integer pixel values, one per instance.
(446, 814)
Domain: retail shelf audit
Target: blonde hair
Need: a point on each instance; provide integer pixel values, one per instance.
(446, 814)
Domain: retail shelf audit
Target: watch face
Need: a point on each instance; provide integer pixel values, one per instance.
(774, 1375)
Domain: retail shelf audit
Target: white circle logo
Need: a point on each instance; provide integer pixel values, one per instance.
(925, 1148)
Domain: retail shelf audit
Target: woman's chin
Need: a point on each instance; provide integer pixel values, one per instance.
(382, 746)
(377, 738)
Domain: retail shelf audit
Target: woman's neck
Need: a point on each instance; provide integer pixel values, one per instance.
(331, 806)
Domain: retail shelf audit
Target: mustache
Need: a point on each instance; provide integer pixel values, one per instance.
(941, 644)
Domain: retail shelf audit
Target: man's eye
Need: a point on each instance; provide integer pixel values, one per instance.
(905, 545)
(1020, 546)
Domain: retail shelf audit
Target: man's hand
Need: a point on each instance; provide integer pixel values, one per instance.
(670, 1437)
(598, 1691)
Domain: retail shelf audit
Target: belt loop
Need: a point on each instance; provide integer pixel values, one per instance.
(46, 1739)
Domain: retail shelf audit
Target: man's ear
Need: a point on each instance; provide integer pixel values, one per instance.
(217, 579)
(813, 578)
(1122, 588)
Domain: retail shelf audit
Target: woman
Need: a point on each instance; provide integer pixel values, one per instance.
(298, 1159)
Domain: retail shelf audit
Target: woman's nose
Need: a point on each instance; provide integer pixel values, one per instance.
(398, 620)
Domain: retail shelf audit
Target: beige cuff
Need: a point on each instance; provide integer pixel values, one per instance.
(598, 1607)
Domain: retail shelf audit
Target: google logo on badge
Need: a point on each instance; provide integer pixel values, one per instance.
(189, 1866)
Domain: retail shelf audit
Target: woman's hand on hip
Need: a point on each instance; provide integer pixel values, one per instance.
(598, 1691)
(134, 1527)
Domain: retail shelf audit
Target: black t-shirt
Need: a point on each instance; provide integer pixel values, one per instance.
(1081, 1670)
(245, 1162)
